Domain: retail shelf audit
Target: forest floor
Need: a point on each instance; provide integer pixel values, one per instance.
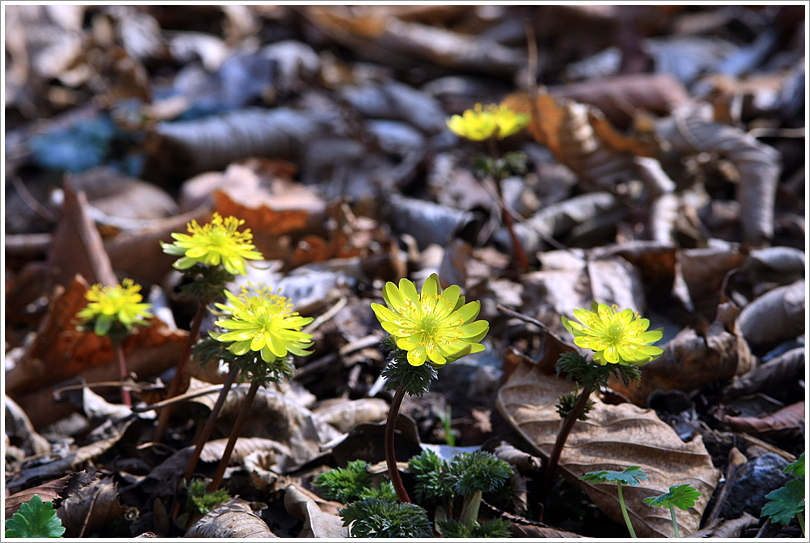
(664, 173)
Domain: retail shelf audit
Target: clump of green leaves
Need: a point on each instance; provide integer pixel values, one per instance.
(683, 497)
(630, 476)
(453, 528)
(348, 484)
(370, 517)
(202, 502)
(788, 502)
(565, 406)
(468, 475)
(35, 519)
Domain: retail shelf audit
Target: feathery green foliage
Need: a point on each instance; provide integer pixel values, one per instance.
(453, 528)
(479, 471)
(377, 518)
(427, 468)
(399, 372)
(203, 501)
(345, 484)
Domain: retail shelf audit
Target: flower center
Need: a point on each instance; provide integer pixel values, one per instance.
(615, 331)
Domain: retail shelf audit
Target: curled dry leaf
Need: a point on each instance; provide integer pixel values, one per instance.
(394, 42)
(560, 218)
(728, 529)
(615, 436)
(787, 420)
(234, 518)
(346, 415)
(618, 96)
(758, 165)
(691, 361)
(703, 271)
(185, 148)
(90, 508)
(70, 463)
(53, 491)
(20, 432)
(77, 247)
(308, 507)
(777, 378)
(775, 316)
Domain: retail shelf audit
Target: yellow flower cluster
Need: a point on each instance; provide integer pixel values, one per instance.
(110, 305)
(434, 325)
(216, 242)
(483, 122)
(262, 321)
(616, 337)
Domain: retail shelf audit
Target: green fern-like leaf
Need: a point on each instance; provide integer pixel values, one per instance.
(35, 519)
(785, 503)
(497, 528)
(378, 518)
(630, 476)
(682, 497)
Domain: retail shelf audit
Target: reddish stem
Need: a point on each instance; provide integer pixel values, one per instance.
(562, 437)
(237, 428)
(122, 370)
(193, 335)
(209, 425)
(390, 456)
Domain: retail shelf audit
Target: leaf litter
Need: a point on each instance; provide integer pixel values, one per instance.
(666, 174)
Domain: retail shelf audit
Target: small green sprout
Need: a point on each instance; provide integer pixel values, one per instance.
(683, 497)
(788, 501)
(446, 419)
(35, 519)
(630, 476)
(370, 517)
(202, 502)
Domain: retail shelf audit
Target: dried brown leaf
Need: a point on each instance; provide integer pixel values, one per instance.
(90, 508)
(618, 96)
(615, 437)
(775, 316)
(346, 415)
(690, 132)
(308, 507)
(232, 519)
(776, 378)
(786, 420)
(77, 247)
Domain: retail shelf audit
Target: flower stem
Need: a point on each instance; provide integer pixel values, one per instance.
(506, 216)
(390, 456)
(562, 437)
(122, 370)
(193, 335)
(469, 511)
(800, 518)
(237, 428)
(624, 512)
(674, 524)
(209, 425)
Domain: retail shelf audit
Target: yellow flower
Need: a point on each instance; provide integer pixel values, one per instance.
(264, 322)
(486, 121)
(617, 337)
(217, 241)
(436, 326)
(118, 304)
